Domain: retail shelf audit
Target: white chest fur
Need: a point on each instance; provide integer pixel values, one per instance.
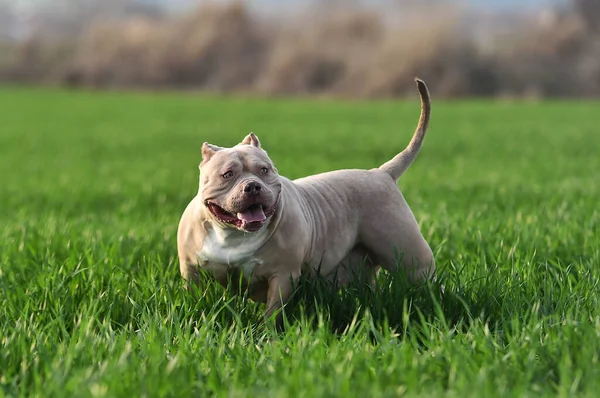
(228, 248)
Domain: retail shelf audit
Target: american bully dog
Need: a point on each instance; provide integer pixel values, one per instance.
(252, 224)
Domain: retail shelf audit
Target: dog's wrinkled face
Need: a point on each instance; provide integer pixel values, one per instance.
(239, 186)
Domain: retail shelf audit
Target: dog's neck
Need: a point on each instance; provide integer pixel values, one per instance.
(230, 246)
(226, 235)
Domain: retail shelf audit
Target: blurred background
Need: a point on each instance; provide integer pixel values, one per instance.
(362, 49)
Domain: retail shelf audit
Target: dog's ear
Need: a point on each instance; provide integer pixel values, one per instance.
(208, 150)
(251, 139)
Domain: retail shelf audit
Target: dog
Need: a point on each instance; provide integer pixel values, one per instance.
(250, 223)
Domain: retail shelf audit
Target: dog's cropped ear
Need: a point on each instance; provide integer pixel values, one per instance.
(208, 150)
(251, 139)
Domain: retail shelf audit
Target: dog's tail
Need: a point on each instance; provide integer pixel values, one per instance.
(400, 163)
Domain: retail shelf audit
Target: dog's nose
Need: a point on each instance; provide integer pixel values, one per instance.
(252, 188)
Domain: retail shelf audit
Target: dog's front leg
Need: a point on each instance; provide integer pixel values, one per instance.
(190, 273)
(281, 287)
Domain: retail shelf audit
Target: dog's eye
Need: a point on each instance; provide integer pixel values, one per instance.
(229, 174)
(264, 170)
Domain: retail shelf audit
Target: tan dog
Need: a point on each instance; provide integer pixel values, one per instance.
(249, 222)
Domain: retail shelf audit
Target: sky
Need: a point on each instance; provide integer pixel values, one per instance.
(22, 8)
(177, 5)
(501, 4)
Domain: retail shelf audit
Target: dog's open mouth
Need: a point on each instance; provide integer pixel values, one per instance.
(250, 219)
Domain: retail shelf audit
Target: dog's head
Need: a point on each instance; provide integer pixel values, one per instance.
(239, 186)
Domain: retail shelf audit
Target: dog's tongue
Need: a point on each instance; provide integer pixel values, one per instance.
(252, 214)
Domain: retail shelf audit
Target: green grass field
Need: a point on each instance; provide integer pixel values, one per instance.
(92, 304)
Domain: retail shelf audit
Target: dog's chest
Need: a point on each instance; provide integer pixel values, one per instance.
(224, 250)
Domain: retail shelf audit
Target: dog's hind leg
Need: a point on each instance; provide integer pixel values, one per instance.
(357, 264)
(395, 240)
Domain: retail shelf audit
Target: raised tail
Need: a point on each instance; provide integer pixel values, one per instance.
(400, 163)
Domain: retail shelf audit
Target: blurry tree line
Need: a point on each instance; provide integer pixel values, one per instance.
(334, 48)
